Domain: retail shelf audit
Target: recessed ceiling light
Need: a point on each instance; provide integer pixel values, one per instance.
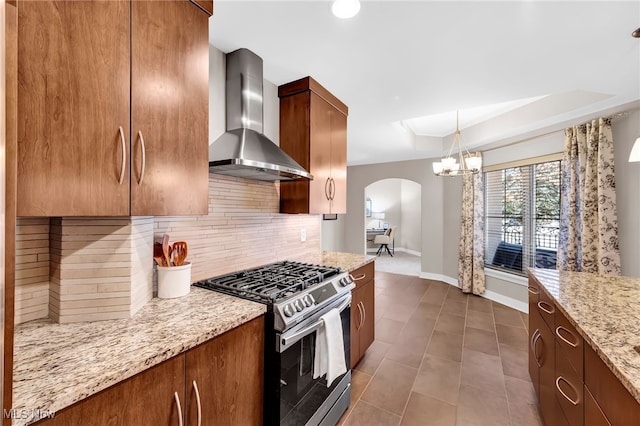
(345, 8)
(636, 33)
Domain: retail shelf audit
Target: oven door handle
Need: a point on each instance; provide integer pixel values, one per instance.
(286, 341)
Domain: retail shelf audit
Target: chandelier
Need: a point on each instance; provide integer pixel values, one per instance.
(461, 164)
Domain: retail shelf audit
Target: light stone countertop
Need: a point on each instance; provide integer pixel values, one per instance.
(347, 262)
(56, 365)
(606, 312)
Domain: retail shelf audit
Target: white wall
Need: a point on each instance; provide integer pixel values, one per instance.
(411, 201)
(625, 132)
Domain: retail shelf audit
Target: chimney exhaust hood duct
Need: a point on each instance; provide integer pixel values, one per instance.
(243, 151)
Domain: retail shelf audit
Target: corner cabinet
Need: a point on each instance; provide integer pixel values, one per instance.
(219, 382)
(362, 312)
(313, 131)
(112, 108)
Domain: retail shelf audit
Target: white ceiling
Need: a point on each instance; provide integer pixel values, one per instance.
(514, 69)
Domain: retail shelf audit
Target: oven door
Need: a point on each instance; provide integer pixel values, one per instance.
(303, 399)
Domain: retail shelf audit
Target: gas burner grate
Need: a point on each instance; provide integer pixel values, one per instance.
(272, 282)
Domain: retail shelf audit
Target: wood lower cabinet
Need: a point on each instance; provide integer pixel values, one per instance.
(112, 108)
(147, 399)
(542, 356)
(616, 403)
(313, 131)
(593, 415)
(362, 312)
(224, 376)
(573, 385)
(228, 374)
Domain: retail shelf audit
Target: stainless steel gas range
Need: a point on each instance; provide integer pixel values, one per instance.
(297, 295)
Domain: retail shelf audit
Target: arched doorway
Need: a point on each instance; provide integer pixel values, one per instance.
(397, 204)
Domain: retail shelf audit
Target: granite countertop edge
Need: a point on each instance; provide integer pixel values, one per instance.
(162, 329)
(612, 341)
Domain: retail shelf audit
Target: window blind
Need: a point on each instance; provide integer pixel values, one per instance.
(522, 208)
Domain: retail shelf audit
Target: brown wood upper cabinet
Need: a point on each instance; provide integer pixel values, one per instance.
(112, 108)
(313, 131)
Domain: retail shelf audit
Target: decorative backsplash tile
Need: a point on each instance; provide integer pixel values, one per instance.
(84, 269)
(243, 229)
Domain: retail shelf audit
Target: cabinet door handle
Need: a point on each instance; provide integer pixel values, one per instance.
(177, 398)
(549, 311)
(532, 340)
(573, 345)
(326, 189)
(143, 148)
(332, 189)
(195, 387)
(361, 316)
(124, 155)
(364, 313)
(533, 290)
(534, 347)
(359, 277)
(577, 401)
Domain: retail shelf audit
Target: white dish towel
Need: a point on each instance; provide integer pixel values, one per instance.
(329, 353)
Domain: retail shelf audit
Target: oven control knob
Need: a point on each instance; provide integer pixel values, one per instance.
(313, 301)
(298, 305)
(288, 310)
(345, 281)
(307, 301)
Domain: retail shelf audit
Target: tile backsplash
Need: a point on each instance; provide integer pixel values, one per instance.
(242, 229)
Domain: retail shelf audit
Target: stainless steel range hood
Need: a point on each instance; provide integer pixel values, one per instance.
(243, 150)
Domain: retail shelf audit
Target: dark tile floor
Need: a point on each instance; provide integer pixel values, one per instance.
(442, 358)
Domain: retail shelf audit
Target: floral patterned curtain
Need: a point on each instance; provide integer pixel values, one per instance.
(588, 239)
(471, 248)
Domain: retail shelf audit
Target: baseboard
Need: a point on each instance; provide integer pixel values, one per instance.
(507, 301)
(404, 250)
(439, 277)
(488, 294)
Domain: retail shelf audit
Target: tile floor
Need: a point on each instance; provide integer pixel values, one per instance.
(442, 358)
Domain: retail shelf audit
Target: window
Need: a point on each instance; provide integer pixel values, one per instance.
(522, 208)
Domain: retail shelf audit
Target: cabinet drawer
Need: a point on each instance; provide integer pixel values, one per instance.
(547, 309)
(571, 342)
(363, 274)
(614, 399)
(568, 388)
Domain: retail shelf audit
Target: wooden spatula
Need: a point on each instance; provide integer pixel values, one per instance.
(166, 249)
(179, 253)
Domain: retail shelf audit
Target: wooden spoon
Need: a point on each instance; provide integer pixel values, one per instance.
(158, 255)
(166, 249)
(179, 252)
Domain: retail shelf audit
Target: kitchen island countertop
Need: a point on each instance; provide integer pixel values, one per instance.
(606, 312)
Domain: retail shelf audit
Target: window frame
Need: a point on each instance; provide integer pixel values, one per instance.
(529, 231)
